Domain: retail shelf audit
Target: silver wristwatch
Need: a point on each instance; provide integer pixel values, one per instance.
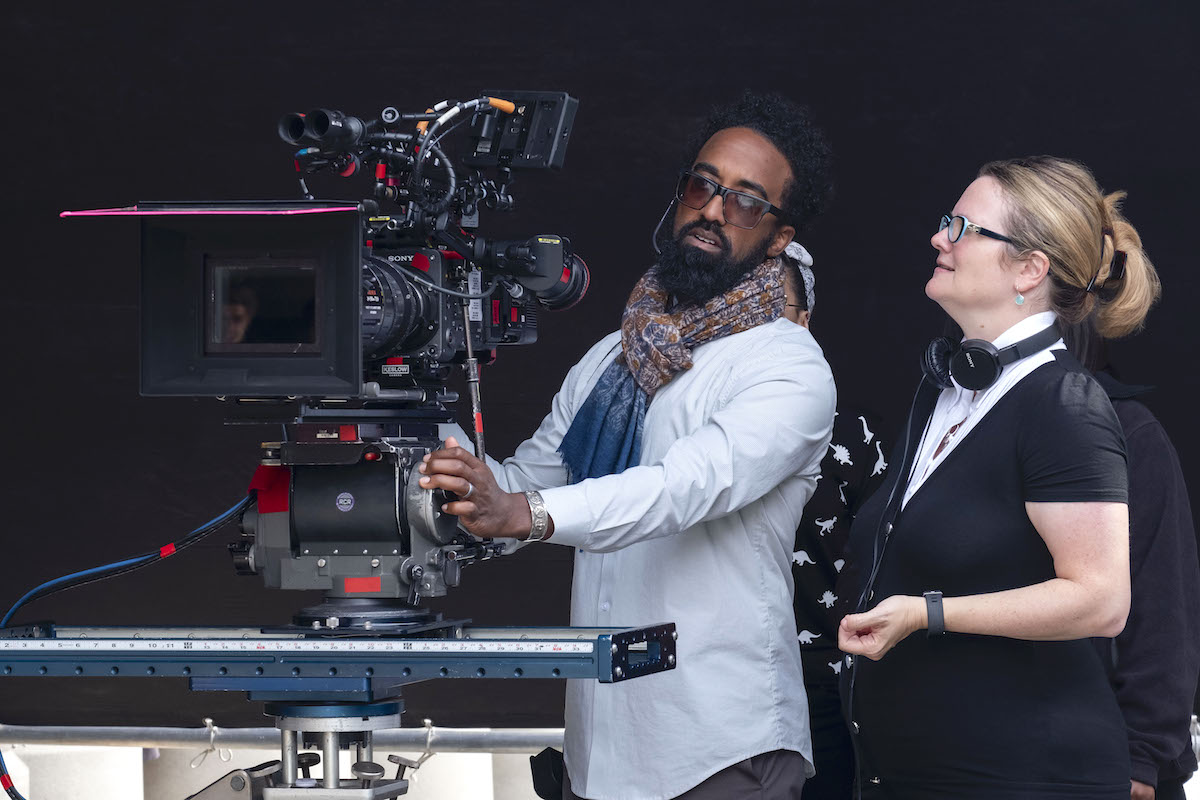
(540, 520)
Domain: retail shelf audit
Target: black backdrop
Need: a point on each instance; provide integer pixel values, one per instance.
(106, 106)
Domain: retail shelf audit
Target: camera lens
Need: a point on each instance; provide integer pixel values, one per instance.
(571, 287)
(397, 314)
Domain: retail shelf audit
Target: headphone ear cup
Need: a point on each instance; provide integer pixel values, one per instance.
(935, 363)
(976, 364)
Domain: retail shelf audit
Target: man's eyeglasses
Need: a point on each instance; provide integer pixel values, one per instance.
(957, 225)
(741, 210)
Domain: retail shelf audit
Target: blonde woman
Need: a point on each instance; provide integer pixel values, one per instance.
(1000, 542)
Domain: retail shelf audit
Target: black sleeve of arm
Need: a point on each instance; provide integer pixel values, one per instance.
(1158, 653)
(1070, 442)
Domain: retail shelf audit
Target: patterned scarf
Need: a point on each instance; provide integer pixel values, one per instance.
(606, 435)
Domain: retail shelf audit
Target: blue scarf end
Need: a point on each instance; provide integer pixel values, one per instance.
(605, 437)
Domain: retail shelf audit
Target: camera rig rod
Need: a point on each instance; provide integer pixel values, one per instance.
(471, 367)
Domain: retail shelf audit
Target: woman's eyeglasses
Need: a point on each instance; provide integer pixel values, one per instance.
(741, 210)
(957, 225)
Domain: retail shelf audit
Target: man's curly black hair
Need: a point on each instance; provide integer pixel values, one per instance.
(789, 126)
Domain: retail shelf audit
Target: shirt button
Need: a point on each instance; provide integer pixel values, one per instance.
(854, 725)
(888, 529)
(876, 780)
(604, 606)
(871, 595)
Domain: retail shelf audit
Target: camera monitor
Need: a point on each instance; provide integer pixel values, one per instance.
(250, 299)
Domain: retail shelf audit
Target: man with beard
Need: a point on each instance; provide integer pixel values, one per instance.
(676, 460)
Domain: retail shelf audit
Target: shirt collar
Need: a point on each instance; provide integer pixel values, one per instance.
(1025, 328)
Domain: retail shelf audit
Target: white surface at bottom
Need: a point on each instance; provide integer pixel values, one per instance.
(125, 773)
(46, 772)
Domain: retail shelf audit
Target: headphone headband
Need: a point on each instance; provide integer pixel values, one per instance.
(1027, 347)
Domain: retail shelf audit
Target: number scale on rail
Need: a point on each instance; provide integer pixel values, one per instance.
(247, 659)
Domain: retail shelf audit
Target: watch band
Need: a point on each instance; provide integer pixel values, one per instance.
(539, 520)
(937, 617)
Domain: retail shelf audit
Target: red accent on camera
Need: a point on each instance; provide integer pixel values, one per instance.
(421, 262)
(272, 485)
(362, 585)
(347, 433)
(166, 550)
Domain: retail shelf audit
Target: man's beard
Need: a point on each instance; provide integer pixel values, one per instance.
(692, 276)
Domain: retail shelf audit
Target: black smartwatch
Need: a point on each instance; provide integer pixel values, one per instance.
(937, 618)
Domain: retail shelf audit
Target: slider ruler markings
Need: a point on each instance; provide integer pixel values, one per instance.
(464, 647)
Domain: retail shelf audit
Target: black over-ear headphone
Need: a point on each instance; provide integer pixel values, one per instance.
(975, 363)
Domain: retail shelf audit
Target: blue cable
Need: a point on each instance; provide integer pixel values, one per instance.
(135, 561)
(12, 790)
(220, 518)
(212, 524)
(63, 579)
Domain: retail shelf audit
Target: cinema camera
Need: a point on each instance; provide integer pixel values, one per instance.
(355, 317)
(343, 321)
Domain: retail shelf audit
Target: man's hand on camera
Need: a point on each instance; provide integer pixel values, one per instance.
(482, 507)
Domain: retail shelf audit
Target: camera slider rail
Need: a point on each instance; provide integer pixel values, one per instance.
(323, 668)
(328, 688)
